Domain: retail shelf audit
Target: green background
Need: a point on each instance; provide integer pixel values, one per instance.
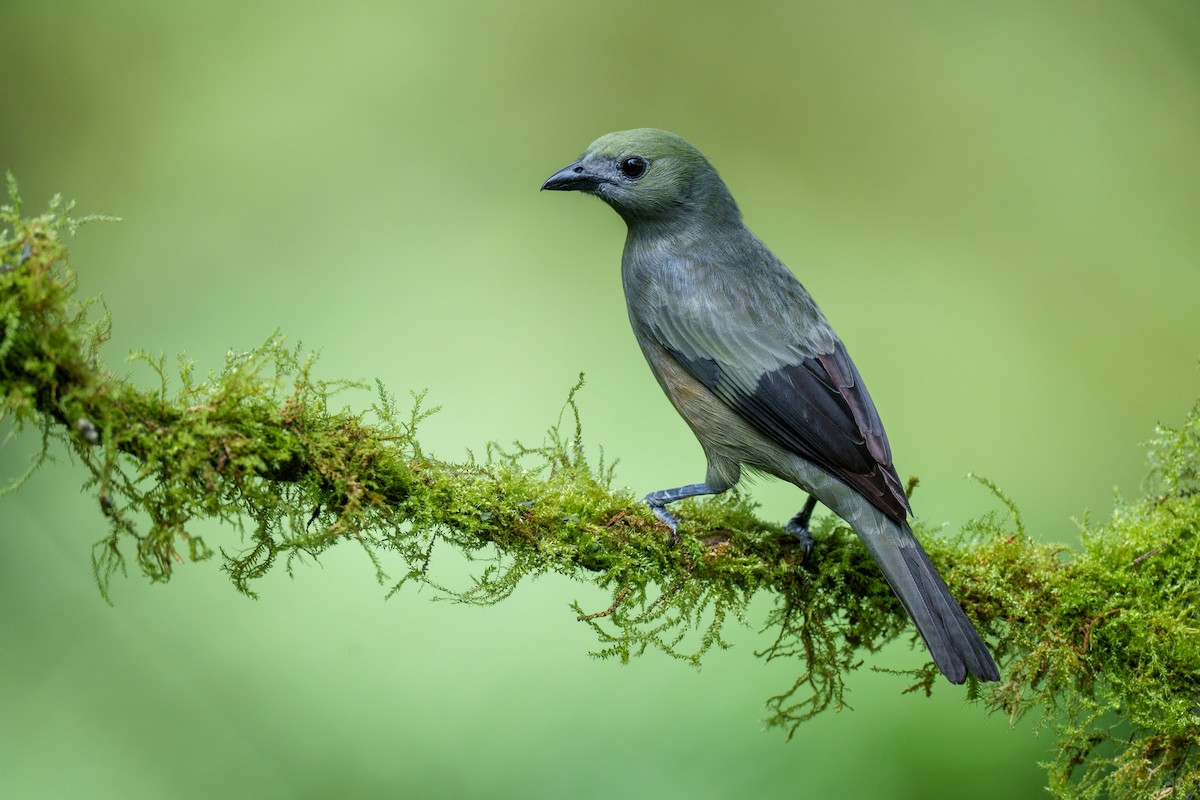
(996, 204)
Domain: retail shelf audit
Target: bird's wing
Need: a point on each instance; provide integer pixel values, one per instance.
(791, 379)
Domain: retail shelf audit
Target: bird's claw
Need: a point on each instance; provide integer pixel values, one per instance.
(798, 526)
(803, 537)
(668, 519)
(658, 504)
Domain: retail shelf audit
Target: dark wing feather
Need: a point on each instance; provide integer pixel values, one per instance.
(814, 406)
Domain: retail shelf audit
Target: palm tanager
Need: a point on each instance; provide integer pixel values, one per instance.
(756, 371)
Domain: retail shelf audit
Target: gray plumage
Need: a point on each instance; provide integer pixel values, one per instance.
(751, 364)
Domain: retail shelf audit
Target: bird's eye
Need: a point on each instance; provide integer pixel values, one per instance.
(634, 167)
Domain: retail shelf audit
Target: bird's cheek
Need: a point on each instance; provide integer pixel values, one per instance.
(611, 195)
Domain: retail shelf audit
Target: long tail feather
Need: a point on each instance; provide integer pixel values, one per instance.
(956, 647)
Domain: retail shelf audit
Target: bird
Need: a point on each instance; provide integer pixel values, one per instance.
(752, 365)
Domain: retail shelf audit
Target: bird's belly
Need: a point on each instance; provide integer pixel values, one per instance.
(728, 440)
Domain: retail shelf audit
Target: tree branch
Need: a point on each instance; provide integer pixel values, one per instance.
(1105, 635)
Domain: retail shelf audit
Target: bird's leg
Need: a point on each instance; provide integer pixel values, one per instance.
(658, 504)
(798, 525)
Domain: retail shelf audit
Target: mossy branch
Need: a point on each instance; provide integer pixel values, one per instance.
(1102, 641)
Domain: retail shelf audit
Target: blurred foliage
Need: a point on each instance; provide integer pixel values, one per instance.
(1104, 643)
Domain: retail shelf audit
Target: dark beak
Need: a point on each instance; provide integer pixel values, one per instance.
(573, 178)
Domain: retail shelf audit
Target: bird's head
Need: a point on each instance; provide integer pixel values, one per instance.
(648, 175)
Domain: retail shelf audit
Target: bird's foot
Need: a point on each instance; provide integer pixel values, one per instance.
(659, 500)
(803, 537)
(658, 504)
(798, 526)
(668, 519)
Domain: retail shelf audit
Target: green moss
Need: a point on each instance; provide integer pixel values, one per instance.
(1103, 643)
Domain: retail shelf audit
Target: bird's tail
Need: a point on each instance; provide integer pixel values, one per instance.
(952, 640)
